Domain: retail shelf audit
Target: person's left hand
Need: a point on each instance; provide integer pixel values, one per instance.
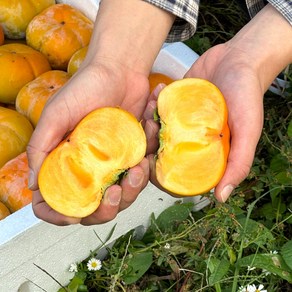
(231, 71)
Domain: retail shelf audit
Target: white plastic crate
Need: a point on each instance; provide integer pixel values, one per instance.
(26, 240)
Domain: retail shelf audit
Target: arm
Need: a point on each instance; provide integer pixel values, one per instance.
(126, 39)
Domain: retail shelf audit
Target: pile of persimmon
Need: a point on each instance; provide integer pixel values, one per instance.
(37, 40)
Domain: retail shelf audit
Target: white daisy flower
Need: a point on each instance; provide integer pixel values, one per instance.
(167, 246)
(94, 264)
(251, 288)
(73, 268)
(261, 288)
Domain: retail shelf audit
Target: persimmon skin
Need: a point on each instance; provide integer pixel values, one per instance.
(156, 78)
(4, 211)
(2, 38)
(19, 64)
(194, 137)
(76, 173)
(16, 14)
(15, 132)
(32, 97)
(76, 60)
(14, 191)
(58, 32)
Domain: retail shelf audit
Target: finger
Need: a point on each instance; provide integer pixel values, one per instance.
(134, 182)
(151, 130)
(152, 101)
(108, 208)
(43, 211)
(40, 145)
(240, 159)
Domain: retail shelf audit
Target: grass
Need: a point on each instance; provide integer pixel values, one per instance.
(246, 241)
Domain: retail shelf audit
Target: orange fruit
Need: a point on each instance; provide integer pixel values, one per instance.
(58, 32)
(194, 137)
(32, 97)
(74, 176)
(14, 192)
(156, 78)
(76, 60)
(1, 35)
(4, 211)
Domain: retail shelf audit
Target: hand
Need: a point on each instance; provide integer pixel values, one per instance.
(243, 71)
(82, 94)
(114, 73)
(232, 73)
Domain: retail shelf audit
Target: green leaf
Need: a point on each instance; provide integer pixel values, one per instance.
(137, 266)
(273, 263)
(279, 163)
(286, 252)
(218, 269)
(176, 213)
(254, 232)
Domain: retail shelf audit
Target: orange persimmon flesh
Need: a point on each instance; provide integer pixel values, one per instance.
(194, 137)
(103, 145)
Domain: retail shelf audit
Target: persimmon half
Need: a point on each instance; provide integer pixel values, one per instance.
(105, 143)
(194, 137)
(14, 191)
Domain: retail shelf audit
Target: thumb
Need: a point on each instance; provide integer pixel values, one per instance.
(46, 136)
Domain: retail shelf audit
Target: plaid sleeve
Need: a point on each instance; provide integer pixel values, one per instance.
(187, 14)
(283, 6)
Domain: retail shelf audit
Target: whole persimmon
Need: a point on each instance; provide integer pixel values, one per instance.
(75, 175)
(76, 60)
(15, 132)
(14, 191)
(4, 211)
(194, 137)
(156, 78)
(58, 32)
(32, 97)
(1, 36)
(16, 14)
(19, 64)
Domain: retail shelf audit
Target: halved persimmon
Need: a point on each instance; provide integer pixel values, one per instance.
(156, 78)
(103, 145)
(194, 137)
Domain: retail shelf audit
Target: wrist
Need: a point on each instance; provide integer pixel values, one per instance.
(130, 33)
(266, 41)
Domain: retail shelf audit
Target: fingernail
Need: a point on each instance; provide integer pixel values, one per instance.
(225, 193)
(30, 178)
(135, 179)
(114, 198)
